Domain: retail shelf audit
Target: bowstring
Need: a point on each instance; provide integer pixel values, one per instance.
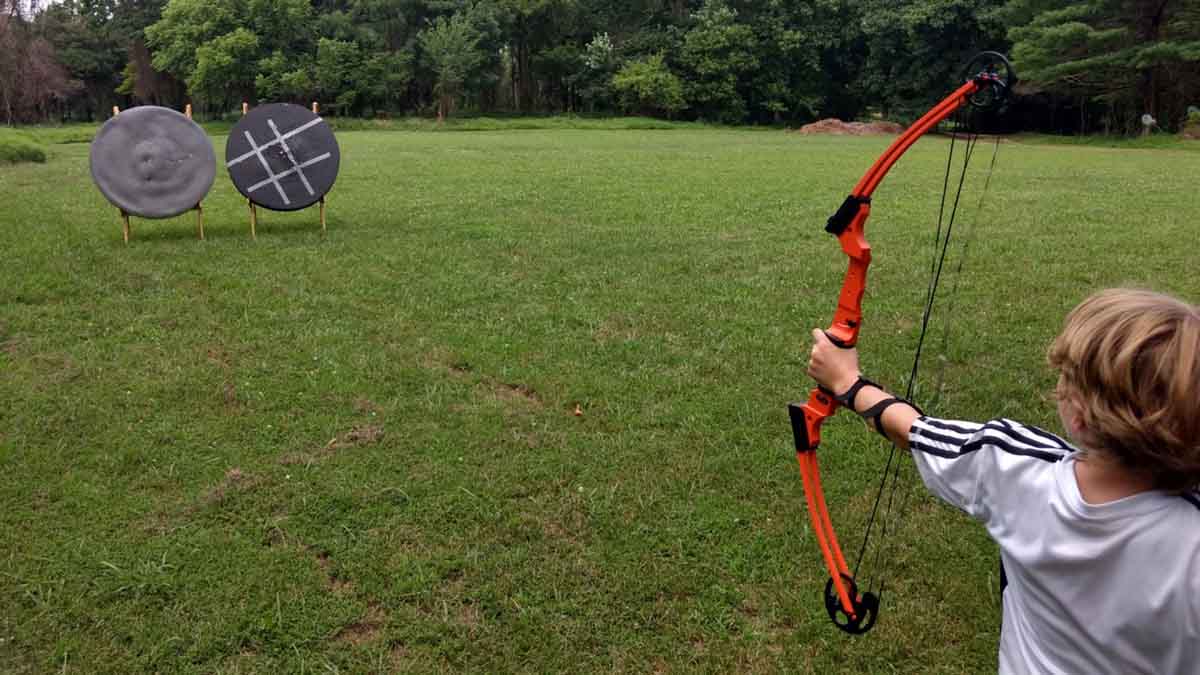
(892, 515)
(952, 298)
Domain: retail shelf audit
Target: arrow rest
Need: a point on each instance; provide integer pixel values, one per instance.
(866, 607)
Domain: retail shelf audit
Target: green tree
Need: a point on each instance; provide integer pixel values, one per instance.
(451, 49)
(86, 43)
(337, 69)
(594, 81)
(217, 46)
(185, 26)
(1130, 56)
(531, 26)
(226, 68)
(916, 49)
(804, 58)
(718, 54)
(648, 87)
(284, 78)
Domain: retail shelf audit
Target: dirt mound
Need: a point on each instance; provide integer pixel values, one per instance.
(836, 126)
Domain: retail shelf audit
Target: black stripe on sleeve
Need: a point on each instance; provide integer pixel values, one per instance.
(993, 434)
(949, 425)
(1035, 433)
(1192, 499)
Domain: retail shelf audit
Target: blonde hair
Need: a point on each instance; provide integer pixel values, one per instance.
(1132, 360)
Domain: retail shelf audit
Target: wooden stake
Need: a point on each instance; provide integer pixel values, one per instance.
(253, 220)
(200, 220)
(322, 216)
(125, 226)
(188, 111)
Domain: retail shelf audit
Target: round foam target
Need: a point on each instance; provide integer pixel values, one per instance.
(282, 157)
(153, 162)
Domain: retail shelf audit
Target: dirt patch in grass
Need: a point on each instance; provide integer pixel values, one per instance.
(219, 357)
(370, 626)
(59, 369)
(399, 656)
(363, 434)
(514, 392)
(835, 126)
(358, 436)
(338, 585)
(235, 482)
(365, 630)
(365, 406)
(440, 359)
(10, 345)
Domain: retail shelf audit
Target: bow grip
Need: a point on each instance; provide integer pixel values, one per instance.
(842, 337)
(808, 418)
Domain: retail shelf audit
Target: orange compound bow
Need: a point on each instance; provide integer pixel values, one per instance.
(988, 79)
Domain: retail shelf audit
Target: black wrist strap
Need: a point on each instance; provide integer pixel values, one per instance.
(874, 414)
(847, 398)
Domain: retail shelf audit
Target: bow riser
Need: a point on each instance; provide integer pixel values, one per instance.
(847, 319)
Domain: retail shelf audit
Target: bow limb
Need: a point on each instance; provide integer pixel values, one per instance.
(851, 611)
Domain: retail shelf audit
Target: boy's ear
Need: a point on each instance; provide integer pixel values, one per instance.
(1076, 421)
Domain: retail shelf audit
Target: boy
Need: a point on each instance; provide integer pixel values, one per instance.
(1101, 539)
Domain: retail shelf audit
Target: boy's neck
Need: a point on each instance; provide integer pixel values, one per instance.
(1102, 480)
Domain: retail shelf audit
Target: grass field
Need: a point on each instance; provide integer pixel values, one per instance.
(358, 453)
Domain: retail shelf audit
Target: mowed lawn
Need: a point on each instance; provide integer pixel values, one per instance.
(360, 453)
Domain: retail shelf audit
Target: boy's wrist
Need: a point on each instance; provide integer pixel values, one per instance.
(843, 384)
(846, 393)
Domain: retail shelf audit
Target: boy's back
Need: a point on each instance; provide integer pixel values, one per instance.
(1094, 588)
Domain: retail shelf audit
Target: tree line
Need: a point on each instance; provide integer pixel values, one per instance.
(1085, 65)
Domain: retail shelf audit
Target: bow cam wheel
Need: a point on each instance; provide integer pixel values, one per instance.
(866, 607)
(995, 76)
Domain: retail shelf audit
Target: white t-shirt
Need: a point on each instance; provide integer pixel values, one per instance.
(1092, 588)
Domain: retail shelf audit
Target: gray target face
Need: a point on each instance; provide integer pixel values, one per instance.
(282, 156)
(153, 162)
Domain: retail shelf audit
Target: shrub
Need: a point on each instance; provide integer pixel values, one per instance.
(14, 148)
(649, 86)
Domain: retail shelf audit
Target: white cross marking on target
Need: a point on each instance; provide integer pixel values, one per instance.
(297, 167)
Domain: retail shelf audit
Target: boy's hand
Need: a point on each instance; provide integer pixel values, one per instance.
(832, 367)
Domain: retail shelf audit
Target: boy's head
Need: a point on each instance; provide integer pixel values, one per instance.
(1129, 364)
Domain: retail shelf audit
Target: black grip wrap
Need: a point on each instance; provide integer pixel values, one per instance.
(837, 341)
(840, 220)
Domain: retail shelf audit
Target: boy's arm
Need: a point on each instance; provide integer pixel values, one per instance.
(946, 471)
(836, 369)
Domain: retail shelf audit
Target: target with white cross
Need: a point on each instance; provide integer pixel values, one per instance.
(282, 157)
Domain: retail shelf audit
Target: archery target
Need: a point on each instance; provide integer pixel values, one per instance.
(282, 157)
(153, 162)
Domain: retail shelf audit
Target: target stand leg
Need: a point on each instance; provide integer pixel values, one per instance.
(125, 227)
(253, 220)
(322, 216)
(200, 220)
